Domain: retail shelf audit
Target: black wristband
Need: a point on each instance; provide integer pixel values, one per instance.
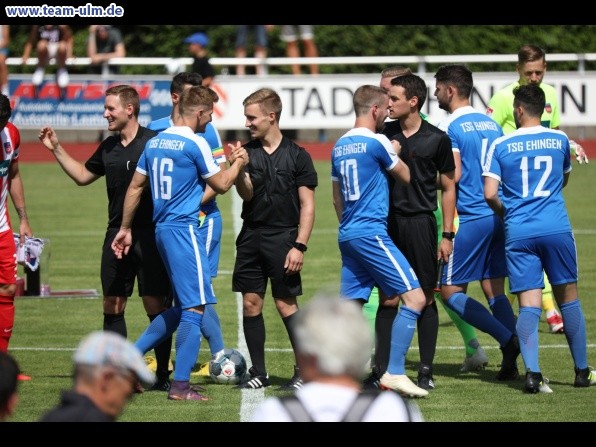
(299, 246)
(448, 235)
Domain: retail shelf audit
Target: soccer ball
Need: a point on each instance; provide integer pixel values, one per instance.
(228, 368)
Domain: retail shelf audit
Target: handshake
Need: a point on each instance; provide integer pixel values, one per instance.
(579, 152)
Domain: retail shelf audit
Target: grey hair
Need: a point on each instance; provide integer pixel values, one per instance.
(335, 331)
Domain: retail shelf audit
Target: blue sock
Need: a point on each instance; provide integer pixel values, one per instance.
(527, 331)
(502, 310)
(211, 329)
(474, 313)
(188, 343)
(402, 333)
(160, 328)
(575, 332)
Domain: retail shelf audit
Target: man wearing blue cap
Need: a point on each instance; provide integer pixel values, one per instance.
(197, 47)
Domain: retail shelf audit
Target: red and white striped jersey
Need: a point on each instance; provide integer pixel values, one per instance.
(10, 138)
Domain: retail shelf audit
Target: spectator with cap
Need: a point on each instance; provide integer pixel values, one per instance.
(107, 369)
(197, 47)
(104, 43)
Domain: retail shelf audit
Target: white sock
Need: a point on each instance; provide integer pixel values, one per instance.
(62, 77)
(38, 76)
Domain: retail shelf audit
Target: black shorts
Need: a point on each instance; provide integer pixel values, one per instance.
(142, 262)
(260, 255)
(416, 237)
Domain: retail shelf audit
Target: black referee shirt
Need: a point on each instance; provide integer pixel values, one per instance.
(276, 178)
(427, 153)
(118, 164)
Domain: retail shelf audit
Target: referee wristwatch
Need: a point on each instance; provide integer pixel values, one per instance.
(300, 246)
(449, 235)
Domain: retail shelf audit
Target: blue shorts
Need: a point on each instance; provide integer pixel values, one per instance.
(556, 254)
(210, 232)
(374, 260)
(186, 261)
(242, 34)
(478, 252)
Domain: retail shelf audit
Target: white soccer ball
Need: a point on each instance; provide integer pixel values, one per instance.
(228, 368)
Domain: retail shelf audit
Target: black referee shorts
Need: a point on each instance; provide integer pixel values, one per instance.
(416, 237)
(142, 262)
(260, 255)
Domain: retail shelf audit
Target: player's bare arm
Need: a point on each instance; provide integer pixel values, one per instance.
(243, 182)
(17, 195)
(224, 180)
(295, 258)
(448, 198)
(123, 240)
(338, 201)
(491, 195)
(73, 168)
(401, 172)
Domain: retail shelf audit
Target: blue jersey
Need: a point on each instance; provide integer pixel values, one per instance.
(357, 162)
(213, 139)
(530, 163)
(471, 134)
(177, 161)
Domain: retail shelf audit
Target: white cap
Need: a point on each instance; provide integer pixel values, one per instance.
(102, 348)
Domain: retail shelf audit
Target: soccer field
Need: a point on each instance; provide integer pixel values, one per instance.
(47, 330)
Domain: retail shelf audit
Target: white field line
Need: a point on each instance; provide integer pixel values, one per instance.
(251, 399)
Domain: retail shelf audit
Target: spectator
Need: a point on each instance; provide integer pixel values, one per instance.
(11, 184)
(197, 47)
(9, 379)
(107, 368)
(50, 41)
(104, 43)
(260, 44)
(4, 41)
(538, 231)
(332, 346)
(115, 159)
(278, 213)
(290, 34)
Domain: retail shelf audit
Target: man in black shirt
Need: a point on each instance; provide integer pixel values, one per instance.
(411, 223)
(116, 159)
(278, 212)
(104, 43)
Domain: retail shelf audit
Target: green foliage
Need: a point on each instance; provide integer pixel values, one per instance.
(348, 40)
(47, 330)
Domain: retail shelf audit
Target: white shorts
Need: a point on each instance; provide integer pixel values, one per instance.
(52, 49)
(288, 32)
